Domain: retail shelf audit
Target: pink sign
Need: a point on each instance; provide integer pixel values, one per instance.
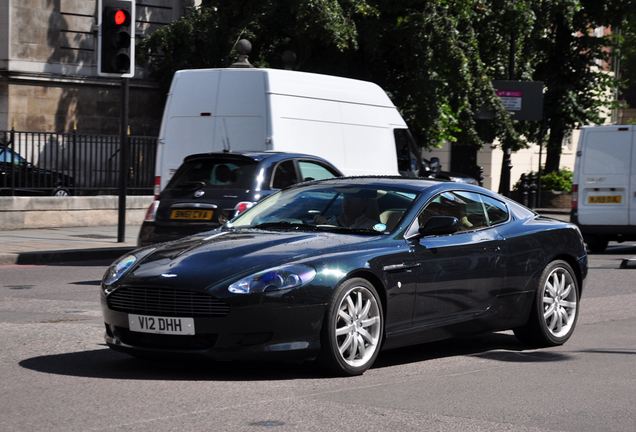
(506, 93)
(511, 99)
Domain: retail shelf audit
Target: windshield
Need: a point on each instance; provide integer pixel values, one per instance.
(361, 209)
(215, 173)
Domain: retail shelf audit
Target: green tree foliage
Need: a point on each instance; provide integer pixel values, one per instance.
(627, 49)
(317, 30)
(570, 59)
(425, 53)
(435, 58)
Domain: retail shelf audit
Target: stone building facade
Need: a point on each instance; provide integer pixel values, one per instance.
(48, 68)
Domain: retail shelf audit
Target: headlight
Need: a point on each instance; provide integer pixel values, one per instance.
(275, 279)
(123, 264)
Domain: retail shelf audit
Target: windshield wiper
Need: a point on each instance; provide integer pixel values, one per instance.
(348, 230)
(286, 225)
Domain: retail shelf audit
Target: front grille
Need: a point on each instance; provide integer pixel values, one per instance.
(172, 342)
(168, 302)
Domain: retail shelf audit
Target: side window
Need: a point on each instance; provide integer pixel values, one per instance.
(467, 207)
(284, 175)
(407, 153)
(496, 211)
(8, 156)
(314, 171)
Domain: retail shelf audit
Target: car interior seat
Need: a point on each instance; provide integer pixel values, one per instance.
(390, 218)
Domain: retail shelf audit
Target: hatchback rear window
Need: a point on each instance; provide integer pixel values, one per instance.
(216, 174)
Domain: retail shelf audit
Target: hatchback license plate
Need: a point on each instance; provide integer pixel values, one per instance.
(161, 325)
(604, 199)
(192, 214)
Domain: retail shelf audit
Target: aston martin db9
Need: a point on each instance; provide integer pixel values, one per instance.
(337, 270)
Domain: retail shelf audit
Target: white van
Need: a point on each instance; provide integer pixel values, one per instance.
(604, 185)
(352, 124)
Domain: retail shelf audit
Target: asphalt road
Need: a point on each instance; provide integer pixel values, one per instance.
(56, 374)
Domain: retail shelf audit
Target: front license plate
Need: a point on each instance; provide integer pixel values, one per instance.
(161, 325)
(192, 214)
(604, 199)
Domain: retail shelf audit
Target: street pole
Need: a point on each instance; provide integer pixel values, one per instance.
(123, 162)
(506, 164)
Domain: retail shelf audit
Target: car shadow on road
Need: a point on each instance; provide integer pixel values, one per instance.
(107, 364)
(503, 346)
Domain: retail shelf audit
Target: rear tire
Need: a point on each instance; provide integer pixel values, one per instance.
(353, 327)
(555, 309)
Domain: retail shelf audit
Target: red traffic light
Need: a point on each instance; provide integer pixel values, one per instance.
(116, 40)
(117, 17)
(120, 17)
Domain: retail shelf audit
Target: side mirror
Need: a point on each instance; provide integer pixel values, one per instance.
(439, 225)
(225, 215)
(435, 165)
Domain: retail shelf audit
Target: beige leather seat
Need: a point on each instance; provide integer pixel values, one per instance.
(390, 218)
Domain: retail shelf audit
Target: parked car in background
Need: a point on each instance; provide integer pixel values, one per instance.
(209, 189)
(432, 169)
(20, 177)
(422, 260)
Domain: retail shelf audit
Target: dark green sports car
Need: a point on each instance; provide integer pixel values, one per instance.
(339, 269)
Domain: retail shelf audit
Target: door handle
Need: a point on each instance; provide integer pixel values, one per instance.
(399, 267)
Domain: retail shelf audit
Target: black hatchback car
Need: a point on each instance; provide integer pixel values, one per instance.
(20, 177)
(209, 189)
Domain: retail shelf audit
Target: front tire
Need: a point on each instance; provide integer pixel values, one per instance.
(555, 309)
(353, 328)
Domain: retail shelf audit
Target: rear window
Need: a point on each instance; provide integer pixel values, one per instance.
(215, 174)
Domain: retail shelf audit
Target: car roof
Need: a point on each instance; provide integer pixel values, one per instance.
(405, 183)
(257, 156)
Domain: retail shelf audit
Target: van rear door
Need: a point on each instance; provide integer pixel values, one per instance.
(606, 178)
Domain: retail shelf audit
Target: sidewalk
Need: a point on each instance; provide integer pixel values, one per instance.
(49, 245)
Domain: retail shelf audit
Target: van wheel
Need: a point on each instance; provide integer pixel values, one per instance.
(555, 308)
(596, 244)
(353, 327)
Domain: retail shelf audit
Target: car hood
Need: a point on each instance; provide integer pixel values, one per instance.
(201, 261)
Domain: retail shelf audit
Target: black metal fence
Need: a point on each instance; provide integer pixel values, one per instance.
(44, 163)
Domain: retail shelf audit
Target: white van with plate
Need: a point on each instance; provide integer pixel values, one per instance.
(604, 185)
(353, 124)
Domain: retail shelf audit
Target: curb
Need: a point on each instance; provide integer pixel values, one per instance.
(49, 257)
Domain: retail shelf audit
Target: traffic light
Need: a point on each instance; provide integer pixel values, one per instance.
(116, 38)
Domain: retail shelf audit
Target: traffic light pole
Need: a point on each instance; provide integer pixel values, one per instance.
(123, 162)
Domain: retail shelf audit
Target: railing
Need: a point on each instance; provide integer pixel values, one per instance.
(44, 163)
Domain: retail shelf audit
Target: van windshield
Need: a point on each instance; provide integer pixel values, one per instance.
(215, 174)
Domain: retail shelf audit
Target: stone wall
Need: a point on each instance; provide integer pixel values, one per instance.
(91, 108)
(59, 212)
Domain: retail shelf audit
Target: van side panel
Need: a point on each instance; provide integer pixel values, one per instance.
(367, 133)
(326, 87)
(344, 121)
(311, 126)
(606, 189)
